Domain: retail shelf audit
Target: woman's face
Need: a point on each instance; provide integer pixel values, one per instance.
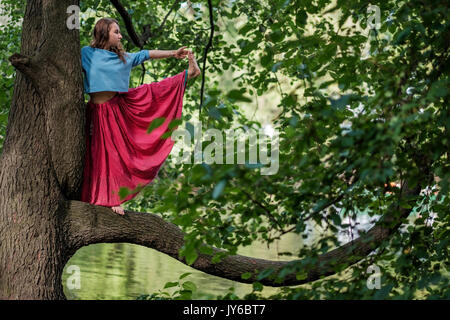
(114, 36)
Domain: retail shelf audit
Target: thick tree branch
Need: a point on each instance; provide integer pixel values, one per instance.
(21, 63)
(41, 71)
(87, 224)
(30, 67)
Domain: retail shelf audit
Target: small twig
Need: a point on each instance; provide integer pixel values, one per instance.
(211, 35)
(143, 74)
(279, 85)
(257, 107)
(321, 208)
(139, 41)
(259, 204)
(167, 15)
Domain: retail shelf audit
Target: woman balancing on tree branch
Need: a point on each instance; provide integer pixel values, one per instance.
(119, 151)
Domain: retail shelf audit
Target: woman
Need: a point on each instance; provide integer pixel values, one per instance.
(119, 151)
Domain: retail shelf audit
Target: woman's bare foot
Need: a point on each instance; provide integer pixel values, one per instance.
(193, 70)
(118, 210)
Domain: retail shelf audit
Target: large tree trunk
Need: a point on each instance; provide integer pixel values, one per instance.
(42, 158)
(41, 222)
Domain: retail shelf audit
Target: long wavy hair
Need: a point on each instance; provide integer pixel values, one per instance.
(101, 37)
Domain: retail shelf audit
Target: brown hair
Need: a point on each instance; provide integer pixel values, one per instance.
(101, 37)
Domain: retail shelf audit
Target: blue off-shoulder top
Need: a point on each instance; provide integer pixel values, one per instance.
(104, 71)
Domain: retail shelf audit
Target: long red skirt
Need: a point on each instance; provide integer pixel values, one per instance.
(119, 151)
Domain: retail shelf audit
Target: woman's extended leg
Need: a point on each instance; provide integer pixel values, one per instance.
(193, 71)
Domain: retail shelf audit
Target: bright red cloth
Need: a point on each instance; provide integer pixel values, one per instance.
(120, 152)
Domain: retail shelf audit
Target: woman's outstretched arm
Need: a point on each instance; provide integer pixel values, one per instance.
(159, 54)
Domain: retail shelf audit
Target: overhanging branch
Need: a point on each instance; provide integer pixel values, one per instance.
(88, 224)
(211, 36)
(128, 23)
(28, 66)
(139, 40)
(43, 74)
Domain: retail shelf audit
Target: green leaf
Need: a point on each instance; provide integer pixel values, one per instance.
(247, 47)
(123, 192)
(213, 112)
(219, 189)
(245, 29)
(285, 271)
(191, 256)
(206, 250)
(184, 275)
(166, 134)
(190, 128)
(246, 275)
(401, 36)
(439, 89)
(157, 122)
(405, 205)
(257, 286)
(170, 285)
(336, 219)
(174, 123)
(209, 101)
(237, 95)
(185, 295)
(276, 36)
(266, 60)
(300, 18)
(190, 286)
(301, 275)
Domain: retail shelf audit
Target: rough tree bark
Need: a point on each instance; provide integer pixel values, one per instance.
(43, 154)
(41, 222)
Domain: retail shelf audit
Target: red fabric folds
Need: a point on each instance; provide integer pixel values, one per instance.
(119, 151)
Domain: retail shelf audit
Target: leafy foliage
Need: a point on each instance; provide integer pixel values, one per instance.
(11, 13)
(357, 108)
